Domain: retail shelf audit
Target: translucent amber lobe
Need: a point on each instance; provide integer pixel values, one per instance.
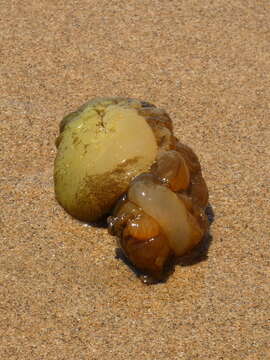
(172, 198)
(172, 169)
(198, 188)
(165, 207)
(149, 256)
(142, 227)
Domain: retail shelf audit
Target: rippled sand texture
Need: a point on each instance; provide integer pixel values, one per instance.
(64, 294)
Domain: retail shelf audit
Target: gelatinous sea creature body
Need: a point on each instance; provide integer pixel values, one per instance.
(162, 216)
(119, 157)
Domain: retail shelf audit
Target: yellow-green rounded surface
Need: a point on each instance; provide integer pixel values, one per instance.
(101, 147)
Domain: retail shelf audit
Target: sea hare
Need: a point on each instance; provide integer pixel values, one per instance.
(119, 157)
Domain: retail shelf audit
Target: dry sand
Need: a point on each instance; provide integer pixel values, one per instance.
(64, 295)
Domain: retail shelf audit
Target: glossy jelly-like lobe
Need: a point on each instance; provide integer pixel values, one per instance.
(143, 227)
(101, 148)
(171, 169)
(167, 209)
(174, 195)
(149, 255)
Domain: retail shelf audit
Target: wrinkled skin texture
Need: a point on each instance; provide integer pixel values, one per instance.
(157, 202)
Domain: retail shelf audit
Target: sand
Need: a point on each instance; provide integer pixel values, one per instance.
(64, 294)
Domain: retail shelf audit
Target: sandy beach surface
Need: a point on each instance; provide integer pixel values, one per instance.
(63, 292)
